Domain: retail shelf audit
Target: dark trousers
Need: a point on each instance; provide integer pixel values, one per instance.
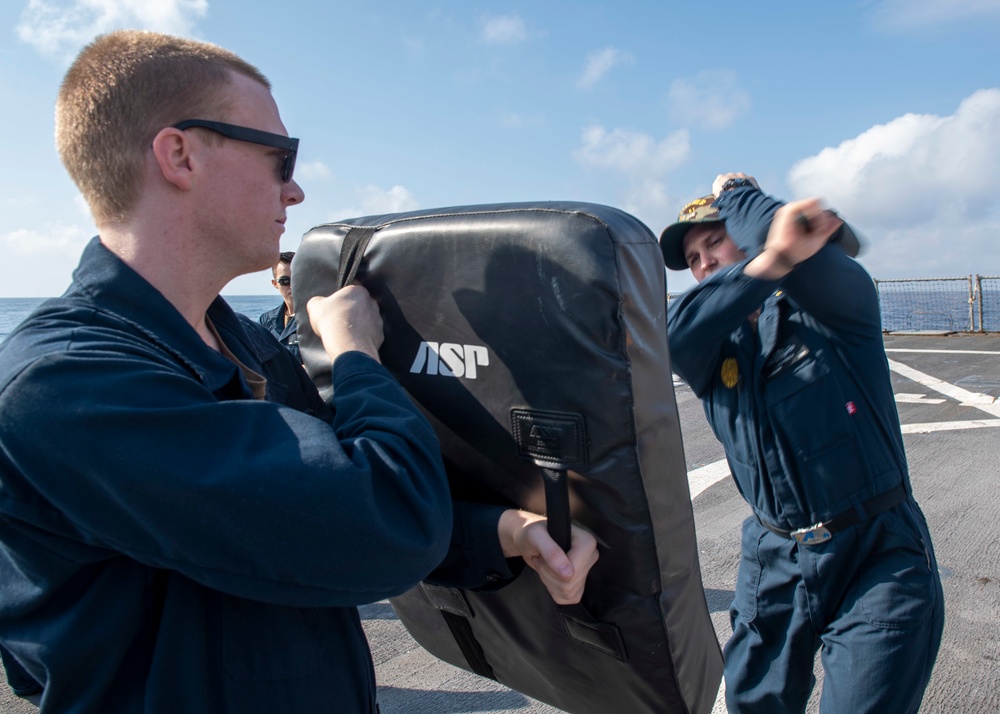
(869, 601)
(19, 680)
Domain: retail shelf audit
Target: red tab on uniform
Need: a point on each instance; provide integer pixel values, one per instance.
(851, 409)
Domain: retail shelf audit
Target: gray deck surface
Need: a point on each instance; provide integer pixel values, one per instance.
(947, 390)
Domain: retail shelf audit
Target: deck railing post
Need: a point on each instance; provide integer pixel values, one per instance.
(972, 304)
(979, 300)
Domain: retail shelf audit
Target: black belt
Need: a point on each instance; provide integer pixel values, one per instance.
(822, 532)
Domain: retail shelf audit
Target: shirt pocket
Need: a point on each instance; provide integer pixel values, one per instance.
(808, 411)
(810, 416)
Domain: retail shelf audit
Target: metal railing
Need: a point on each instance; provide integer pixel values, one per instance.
(969, 304)
(988, 294)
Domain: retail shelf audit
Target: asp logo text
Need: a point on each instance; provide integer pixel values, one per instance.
(449, 359)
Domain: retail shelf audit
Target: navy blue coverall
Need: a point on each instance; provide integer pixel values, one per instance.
(804, 408)
(287, 333)
(169, 543)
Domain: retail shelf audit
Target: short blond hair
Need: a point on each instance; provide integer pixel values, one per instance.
(121, 90)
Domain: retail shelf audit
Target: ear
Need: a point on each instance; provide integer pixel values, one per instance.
(173, 151)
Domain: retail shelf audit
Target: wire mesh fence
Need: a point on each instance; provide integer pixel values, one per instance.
(988, 292)
(969, 304)
(919, 304)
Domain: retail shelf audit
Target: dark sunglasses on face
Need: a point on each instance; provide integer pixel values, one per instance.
(284, 281)
(255, 136)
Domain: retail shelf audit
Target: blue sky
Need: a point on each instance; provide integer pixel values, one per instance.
(888, 108)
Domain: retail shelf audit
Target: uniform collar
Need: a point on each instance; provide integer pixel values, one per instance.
(112, 286)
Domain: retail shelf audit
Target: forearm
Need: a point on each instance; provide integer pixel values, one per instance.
(702, 319)
(812, 269)
(247, 497)
(748, 213)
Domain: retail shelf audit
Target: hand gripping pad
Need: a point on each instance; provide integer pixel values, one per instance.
(534, 336)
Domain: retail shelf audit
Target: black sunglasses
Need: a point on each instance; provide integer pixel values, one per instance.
(283, 281)
(255, 136)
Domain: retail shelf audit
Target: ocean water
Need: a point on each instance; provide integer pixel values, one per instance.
(913, 310)
(904, 310)
(14, 310)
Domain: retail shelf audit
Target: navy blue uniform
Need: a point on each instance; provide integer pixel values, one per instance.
(804, 408)
(285, 332)
(172, 544)
(20, 682)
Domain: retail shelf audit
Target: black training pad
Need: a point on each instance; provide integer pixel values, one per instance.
(550, 326)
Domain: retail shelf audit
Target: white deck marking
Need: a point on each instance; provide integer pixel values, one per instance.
(983, 402)
(702, 478)
(928, 427)
(946, 352)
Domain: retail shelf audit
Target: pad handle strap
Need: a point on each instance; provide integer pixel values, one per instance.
(351, 253)
(577, 621)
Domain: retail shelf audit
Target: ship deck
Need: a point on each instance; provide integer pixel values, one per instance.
(947, 389)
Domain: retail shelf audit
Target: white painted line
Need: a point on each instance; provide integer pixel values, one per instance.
(929, 427)
(720, 700)
(906, 398)
(983, 402)
(945, 352)
(701, 478)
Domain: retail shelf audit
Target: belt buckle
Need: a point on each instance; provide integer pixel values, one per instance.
(813, 535)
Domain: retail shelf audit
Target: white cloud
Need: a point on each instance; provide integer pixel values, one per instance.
(599, 63)
(43, 260)
(903, 15)
(921, 188)
(374, 201)
(631, 152)
(312, 171)
(939, 249)
(61, 28)
(650, 201)
(503, 30)
(53, 240)
(711, 99)
(643, 161)
(395, 200)
(81, 205)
